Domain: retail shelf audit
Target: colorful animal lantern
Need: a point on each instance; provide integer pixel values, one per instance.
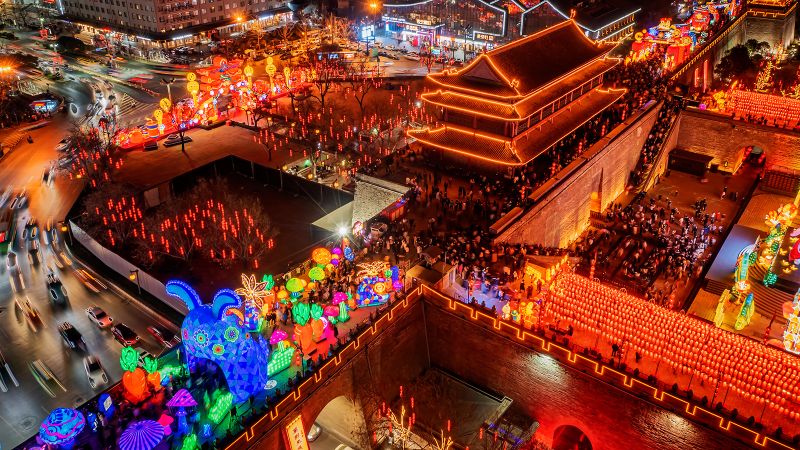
(212, 333)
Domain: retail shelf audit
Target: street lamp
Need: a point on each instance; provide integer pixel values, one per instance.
(134, 276)
(168, 82)
(181, 133)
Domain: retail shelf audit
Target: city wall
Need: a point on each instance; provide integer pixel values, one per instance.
(590, 183)
(725, 139)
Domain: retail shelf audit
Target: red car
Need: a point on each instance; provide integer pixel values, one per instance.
(164, 337)
(124, 335)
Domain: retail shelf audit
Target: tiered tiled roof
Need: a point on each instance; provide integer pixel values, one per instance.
(527, 65)
(516, 81)
(518, 108)
(530, 144)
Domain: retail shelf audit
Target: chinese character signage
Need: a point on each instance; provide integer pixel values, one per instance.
(296, 434)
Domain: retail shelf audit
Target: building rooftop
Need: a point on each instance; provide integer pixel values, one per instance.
(527, 65)
(525, 147)
(514, 108)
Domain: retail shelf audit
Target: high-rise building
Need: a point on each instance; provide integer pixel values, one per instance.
(169, 23)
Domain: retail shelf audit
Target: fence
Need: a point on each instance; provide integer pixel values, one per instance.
(123, 267)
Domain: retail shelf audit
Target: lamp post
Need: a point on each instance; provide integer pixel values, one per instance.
(65, 229)
(168, 82)
(134, 276)
(181, 133)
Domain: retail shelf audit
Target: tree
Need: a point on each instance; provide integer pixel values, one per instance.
(324, 74)
(112, 213)
(93, 159)
(741, 62)
(427, 59)
(361, 80)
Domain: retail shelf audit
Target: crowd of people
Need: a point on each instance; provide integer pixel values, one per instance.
(648, 239)
(655, 140)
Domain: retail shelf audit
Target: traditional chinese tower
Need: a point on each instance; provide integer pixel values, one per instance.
(513, 103)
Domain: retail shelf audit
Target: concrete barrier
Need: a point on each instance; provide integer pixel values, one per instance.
(124, 267)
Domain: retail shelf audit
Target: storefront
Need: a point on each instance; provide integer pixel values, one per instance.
(421, 33)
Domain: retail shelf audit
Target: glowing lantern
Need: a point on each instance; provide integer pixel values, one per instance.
(165, 104)
(61, 427)
(316, 274)
(221, 407)
(295, 286)
(339, 297)
(159, 116)
(287, 72)
(321, 256)
(142, 435)
(134, 379)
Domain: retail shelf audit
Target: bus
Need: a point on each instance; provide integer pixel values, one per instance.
(8, 229)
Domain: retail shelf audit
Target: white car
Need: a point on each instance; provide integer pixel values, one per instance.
(63, 144)
(94, 371)
(314, 432)
(99, 317)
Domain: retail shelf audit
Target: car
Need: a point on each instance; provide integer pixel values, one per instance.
(164, 337)
(63, 145)
(124, 335)
(65, 161)
(33, 253)
(71, 336)
(21, 200)
(56, 291)
(99, 317)
(313, 432)
(11, 261)
(151, 145)
(94, 371)
(28, 309)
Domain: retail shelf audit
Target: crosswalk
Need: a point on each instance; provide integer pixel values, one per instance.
(86, 61)
(131, 111)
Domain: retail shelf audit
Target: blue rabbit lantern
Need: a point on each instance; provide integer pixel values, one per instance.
(211, 332)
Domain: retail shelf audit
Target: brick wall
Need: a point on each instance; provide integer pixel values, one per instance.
(725, 139)
(771, 30)
(562, 215)
(550, 392)
(391, 360)
(555, 394)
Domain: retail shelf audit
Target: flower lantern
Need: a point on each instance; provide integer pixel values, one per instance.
(61, 427)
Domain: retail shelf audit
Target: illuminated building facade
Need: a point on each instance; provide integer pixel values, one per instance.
(168, 23)
(501, 110)
(478, 25)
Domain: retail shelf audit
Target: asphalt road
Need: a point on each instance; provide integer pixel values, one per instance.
(23, 408)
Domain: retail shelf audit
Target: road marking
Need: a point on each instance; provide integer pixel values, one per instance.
(12, 425)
